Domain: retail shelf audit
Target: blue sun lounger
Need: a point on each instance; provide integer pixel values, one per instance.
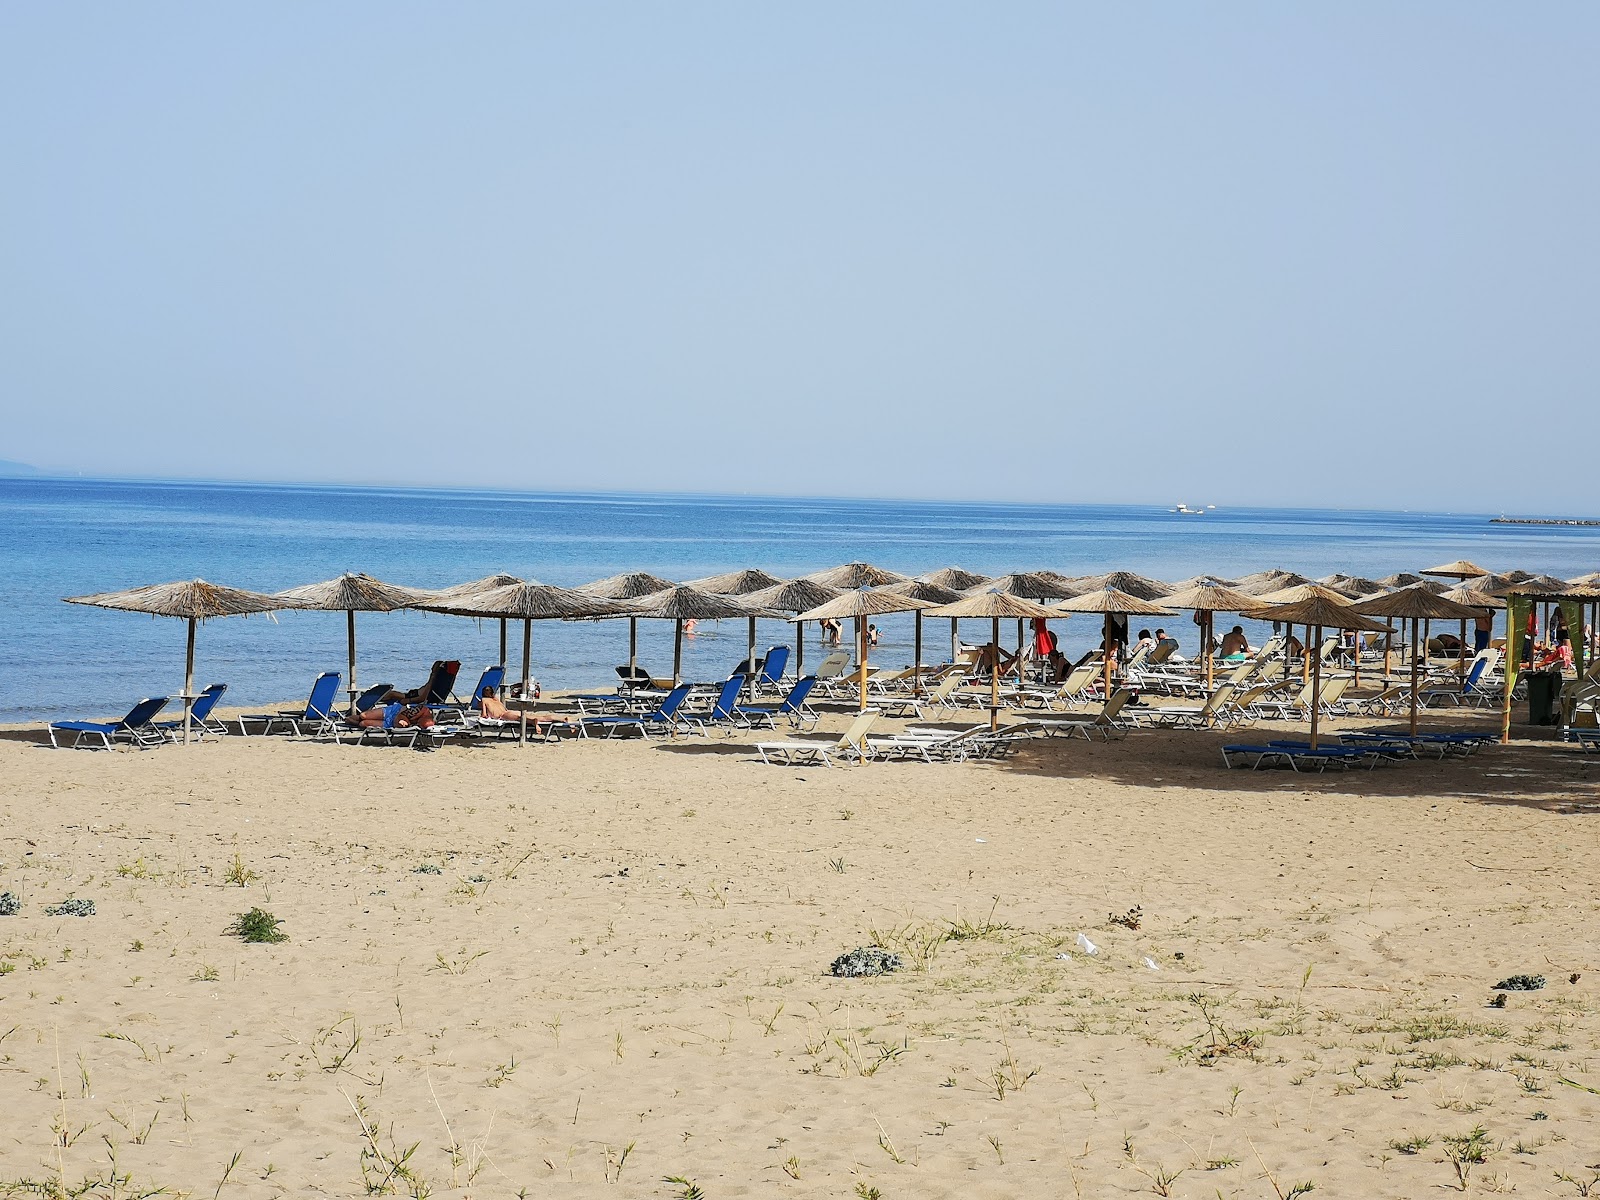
(200, 722)
(793, 707)
(1296, 758)
(136, 728)
(665, 718)
(317, 716)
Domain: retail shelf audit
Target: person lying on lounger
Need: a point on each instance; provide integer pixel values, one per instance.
(490, 708)
(1234, 643)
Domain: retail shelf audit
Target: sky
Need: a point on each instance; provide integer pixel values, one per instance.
(1249, 253)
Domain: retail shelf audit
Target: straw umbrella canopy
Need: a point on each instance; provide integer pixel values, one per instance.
(1263, 582)
(953, 578)
(1400, 579)
(1125, 581)
(740, 583)
(860, 603)
(1110, 602)
(1460, 569)
(1205, 599)
(350, 594)
(683, 602)
(1416, 603)
(192, 600)
(933, 593)
(528, 601)
(630, 585)
(994, 604)
(1354, 586)
(856, 575)
(1195, 581)
(472, 588)
(795, 596)
(1590, 580)
(1317, 612)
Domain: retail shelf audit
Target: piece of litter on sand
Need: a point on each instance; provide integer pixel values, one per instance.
(981, 841)
(1063, 957)
(1087, 946)
(1151, 963)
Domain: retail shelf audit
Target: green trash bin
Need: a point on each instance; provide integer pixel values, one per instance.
(1544, 691)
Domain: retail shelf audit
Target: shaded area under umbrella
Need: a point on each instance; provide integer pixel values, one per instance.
(1109, 602)
(859, 604)
(630, 585)
(1206, 599)
(995, 605)
(351, 593)
(1316, 613)
(795, 596)
(191, 600)
(1416, 603)
(529, 601)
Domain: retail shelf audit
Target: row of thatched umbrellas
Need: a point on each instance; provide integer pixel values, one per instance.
(860, 591)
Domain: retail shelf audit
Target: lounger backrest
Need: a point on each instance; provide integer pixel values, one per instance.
(1479, 665)
(324, 691)
(206, 701)
(674, 701)
(372, 695)
(797, 696)
(1334, 687)
(1218, 698)
(492, 677)
(1162, 652)
(441, 681)
(142, 713)
(947, 687)
(833, 665)
(1244, 670)
(722, 710)
(853, 737)
(1136, 659)
(633, 674)
(1077, 679)
(1112, 708)
(774, 665)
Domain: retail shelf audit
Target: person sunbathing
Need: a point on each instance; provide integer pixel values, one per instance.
(490, 708)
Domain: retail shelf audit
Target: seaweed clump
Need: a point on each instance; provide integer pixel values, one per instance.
(73, 907)
(864, 961)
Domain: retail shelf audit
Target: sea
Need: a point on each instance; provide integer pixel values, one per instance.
(68, 537)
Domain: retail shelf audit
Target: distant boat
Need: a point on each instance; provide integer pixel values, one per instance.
(1191, 512)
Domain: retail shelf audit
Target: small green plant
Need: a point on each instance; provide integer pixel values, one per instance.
(838, 865)
(1131, 919)
(238, 874)
(867, 1192)
(1584, 1187)
(503, 1072)
(688, 1189)
(206, 974)
(257, 925)
(1161, 1179)
(1467, 1150)
(1415, 1144)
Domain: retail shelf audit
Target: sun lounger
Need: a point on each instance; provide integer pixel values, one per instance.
(200, 720)
(1106, 722)
(831, 672)
(666, 718)
(316, 717)
(1256, 757)
(940, 697)
(1217, 710)
(793, 707)
(851, 744)
(769, 675)
(136, 728)
(1584, 738)
(456, 710)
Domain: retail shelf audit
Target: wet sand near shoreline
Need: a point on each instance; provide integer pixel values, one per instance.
(595, 966)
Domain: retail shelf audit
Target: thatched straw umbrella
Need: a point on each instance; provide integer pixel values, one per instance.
(1183, 585)
(1298, 594)
(994, 604)
(1590, 580)
(1354, 586)
(933, 593)
(1110, 602)
(1259, 583)
(191, 600)
(860, 603)
(685, 603)
(795, 596)
(350, 594)
(1400, 579)
(528, 601)
(954, 578)
(474, 587)
(630, 585)
(1027, 585)
(1315, 613)
(740, 583)
(1206, 599)
(856, 575)
(1416, 603)
(1460, 569)
(1127, 582)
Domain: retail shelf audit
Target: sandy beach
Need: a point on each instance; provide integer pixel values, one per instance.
(617, 974)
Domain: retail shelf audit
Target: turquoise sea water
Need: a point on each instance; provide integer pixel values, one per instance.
(68, 537)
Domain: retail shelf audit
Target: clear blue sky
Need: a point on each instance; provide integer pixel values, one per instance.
(1270, 253)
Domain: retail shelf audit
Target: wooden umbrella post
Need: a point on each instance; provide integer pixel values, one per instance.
(1316, 687)
(350, 643)
(750, 661)
(916, 676)
(1207, 642)
(502, 693)
(527, 673)
(955, 640)
(1461, 652)
(633, 644)
(1413, 679)
(799, 649)
(1019, 651)
(1106, 652)
(188, 683)
(994, 678)
(677, 652)
(861, 654)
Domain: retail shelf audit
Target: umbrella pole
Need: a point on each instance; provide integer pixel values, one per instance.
(1316, 688)
(1388, 643)
(350, 639)
(188, 683)
(955, 641)
(750, 661)
(1105, 653)
(1413, 679)
(916, 677)
(994, 677)
(861, 655)
(1019, 651)
(1461, 651)
(633, 644)
(677, 652)
(502, 656)
(1207, 638)
(527, 670)
(799, 649)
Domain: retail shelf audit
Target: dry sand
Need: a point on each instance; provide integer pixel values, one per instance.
(618, 976)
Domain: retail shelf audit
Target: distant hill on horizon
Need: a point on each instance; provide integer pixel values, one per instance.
(7, 467)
